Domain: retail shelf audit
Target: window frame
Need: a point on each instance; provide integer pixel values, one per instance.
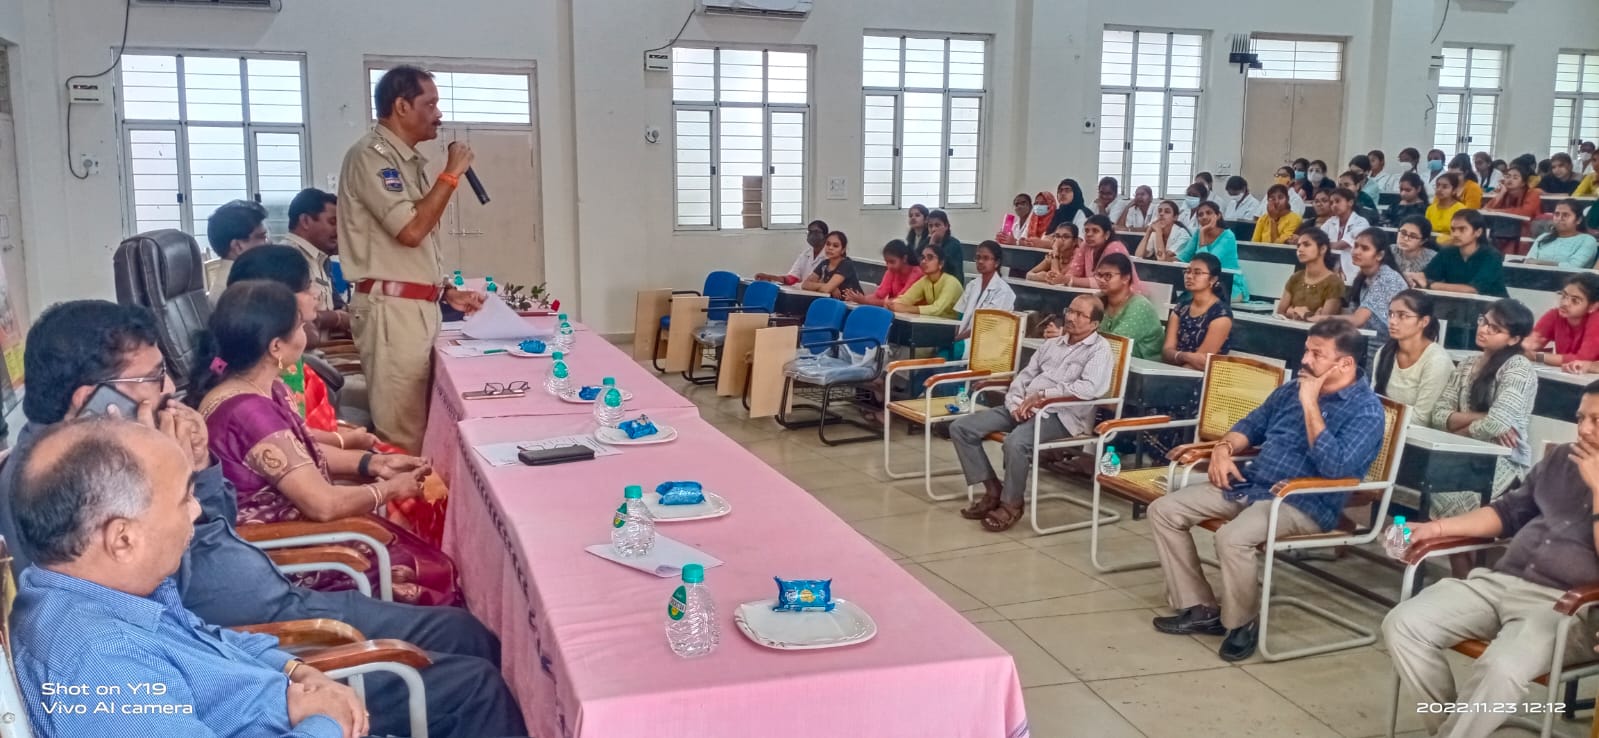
(1338, 41)
(1582, 103)
(375, 62)
(1468, 94)
(186, 216)
(949, 94)
(714, 108)
(1129, 94)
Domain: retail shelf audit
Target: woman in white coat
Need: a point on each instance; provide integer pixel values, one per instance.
(986, 291)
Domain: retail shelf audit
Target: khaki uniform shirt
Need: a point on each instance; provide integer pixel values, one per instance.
(318, 262)
(379, 185)
(216, 277)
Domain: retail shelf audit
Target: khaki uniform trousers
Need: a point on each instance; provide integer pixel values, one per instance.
(395, 337)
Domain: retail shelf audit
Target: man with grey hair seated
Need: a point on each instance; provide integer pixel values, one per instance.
(106, 508)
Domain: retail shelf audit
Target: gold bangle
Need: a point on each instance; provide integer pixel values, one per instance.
(377, 497)
(340, 439)
(288, 669)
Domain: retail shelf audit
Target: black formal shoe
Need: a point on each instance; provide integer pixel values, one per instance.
(1196, 620)
(1240, 642)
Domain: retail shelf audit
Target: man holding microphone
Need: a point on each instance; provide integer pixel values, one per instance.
(390, 212)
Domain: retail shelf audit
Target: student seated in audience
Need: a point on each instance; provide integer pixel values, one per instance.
(1489, 398)
(1316, 174)
(1109, 202)
(74, 349)
(1201, 322)
(1488, 176)
(1099, 239)
(1043, 213)
(1354, 180)
(1240, 206)
(267, 452)
(1300, 166)
(950, 250)
(1472, 265)
(1568, 335)
(899, 273)
(232, 229)
(1565, 245)
(1326, 423)
(1510, 603)
(1206, 179)
(1515, 197)
(1409, 160)
(1376, 282)
(1077, 365)
(1315, 288)
(1445, 204)
(1056, 266)
(1213, 239)
(1321, 208)
(916, 237)
(1165, 234)
(1412, 367)
(1435, 169)
(1531, 163)
(1562, 179)
(1469, 190)
(836, 273)
(1138, 214)
(1128, 313)
(1585, 156)
(1541, 170)
(1378, 176)
(1070, 207)
(808, 259)
(107, 507)
(1296, 201)
(1587, 187)
(1344, 224)
(935, 293)
(1014, 227)
(1280, 221)
(1415, 247)
(987, 291)
(1304, 191)
(314, 233)
(1196, 195)
(1412, 200)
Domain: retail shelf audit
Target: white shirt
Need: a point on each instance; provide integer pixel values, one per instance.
(1492, 182)
(1061, 368)
(998, 295)
(1018, 230)
(1345, 232)
(1135, 219)
(1115, 209)
(806, 262)
(1430, 179)
(1241, 208)
(1386, 182)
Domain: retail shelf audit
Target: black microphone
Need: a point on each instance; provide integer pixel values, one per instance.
(477, 186)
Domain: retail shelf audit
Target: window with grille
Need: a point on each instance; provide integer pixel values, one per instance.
(473, 97)
(200, 130)
(1285, 58)
(1576, 116)
(1150, 82)
(1468, 99)
(923, 122)
(739, 120)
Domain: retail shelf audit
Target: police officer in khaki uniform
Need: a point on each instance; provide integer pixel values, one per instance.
(390, 252)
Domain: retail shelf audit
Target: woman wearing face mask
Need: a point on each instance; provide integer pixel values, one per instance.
(1213, 239)
(1412, 200)
(1196, 194)
(898, 276)
(1280, 222)
(1069, 205)
(1444, 206)
(1488, 176)
(1516, 198)
(1098, 240)
(986, 291)
(934, 294)
(952, 253)
(1566, 245)
(1054, 269)
(1296, 200)
(1317, 175)
(1014, 228)
(1137, 215)
(1409, 160)
(1489, 398)
(1415, 247)
(1435, 169)
(1201, 322)
(1469, 191)
(1412, 367)
(1165, 235)
(806, 261)
(1314, 289)
(1038, 230)
(1568, 335)
(837, 272)
(1472, 265)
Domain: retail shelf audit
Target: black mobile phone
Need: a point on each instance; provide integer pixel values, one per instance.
(105, 397)
(557, 455)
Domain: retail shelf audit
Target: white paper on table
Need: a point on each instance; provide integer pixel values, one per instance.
(505, 454)
(496, 320)
(666, 559)
(451, 325)
(464, 351)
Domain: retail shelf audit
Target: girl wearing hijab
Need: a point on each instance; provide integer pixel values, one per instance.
(1038, 226)
(1069, 205)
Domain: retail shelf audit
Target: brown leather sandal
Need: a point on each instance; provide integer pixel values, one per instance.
(981, 507)
(1002, 518)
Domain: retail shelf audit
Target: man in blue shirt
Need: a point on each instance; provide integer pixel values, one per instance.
(1327, 423)
(103, 644)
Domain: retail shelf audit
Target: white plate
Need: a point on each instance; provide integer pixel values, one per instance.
(519, 353)
(572, 396)
(615, 436)
(846, 625)
(714, 506)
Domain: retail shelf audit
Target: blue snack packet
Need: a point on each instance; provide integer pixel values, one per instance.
(639, 428)
(589, 392)
(680, 493)
(798, 595)
(532, 346)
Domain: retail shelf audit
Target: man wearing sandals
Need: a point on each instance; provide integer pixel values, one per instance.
(1326, 423)
(1075, 366)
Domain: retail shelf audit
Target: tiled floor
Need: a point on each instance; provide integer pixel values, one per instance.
(1090, 663)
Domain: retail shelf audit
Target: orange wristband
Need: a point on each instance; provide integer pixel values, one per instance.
(450, 179)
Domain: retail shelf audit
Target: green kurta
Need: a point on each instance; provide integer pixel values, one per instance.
(1139, 321)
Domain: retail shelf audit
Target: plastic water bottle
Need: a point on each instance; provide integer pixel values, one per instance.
(492, 287)
(1397, 540)
(564, 336)
(691, 626)
(632, 528)
(608, 409)
(1111, 463)
(459, 280)
(556, 382)
(964, 398)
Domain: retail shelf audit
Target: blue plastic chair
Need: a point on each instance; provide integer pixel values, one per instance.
(823, 321)
(840, 363)
(722, 289)
(759, 297)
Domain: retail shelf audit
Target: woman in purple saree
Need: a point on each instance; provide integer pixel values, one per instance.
(268, 454)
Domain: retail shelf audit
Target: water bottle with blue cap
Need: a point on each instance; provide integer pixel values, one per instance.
(491, 287)
(608, 409)
(556, 383)
(459, 280)
(632, 528)
(691, 627)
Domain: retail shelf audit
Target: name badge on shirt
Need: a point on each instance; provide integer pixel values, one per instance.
(391, 180)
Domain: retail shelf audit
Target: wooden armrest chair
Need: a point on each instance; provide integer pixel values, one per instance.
(1233, 387)
(1121, 351)
(315, 546)
(1573, 604)
(996, 352)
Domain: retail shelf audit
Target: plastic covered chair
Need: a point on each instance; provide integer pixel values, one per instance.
(759, 297)
(722, 289)
(824, 319)
(854, 359)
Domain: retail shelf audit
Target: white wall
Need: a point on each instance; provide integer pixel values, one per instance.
(608, 224)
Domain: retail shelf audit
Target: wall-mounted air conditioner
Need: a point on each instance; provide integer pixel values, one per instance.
(1486, 6)
(787, 9)
(270, 5)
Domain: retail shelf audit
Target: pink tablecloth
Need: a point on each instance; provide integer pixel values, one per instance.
(584, 639)
(591, 360)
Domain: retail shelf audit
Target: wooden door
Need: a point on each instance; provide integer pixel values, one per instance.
(499, 238)
(1268, 131)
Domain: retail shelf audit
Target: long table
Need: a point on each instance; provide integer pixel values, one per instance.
(586, 651)
(1281, 339)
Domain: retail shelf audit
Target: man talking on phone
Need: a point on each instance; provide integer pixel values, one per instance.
(388, 222)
